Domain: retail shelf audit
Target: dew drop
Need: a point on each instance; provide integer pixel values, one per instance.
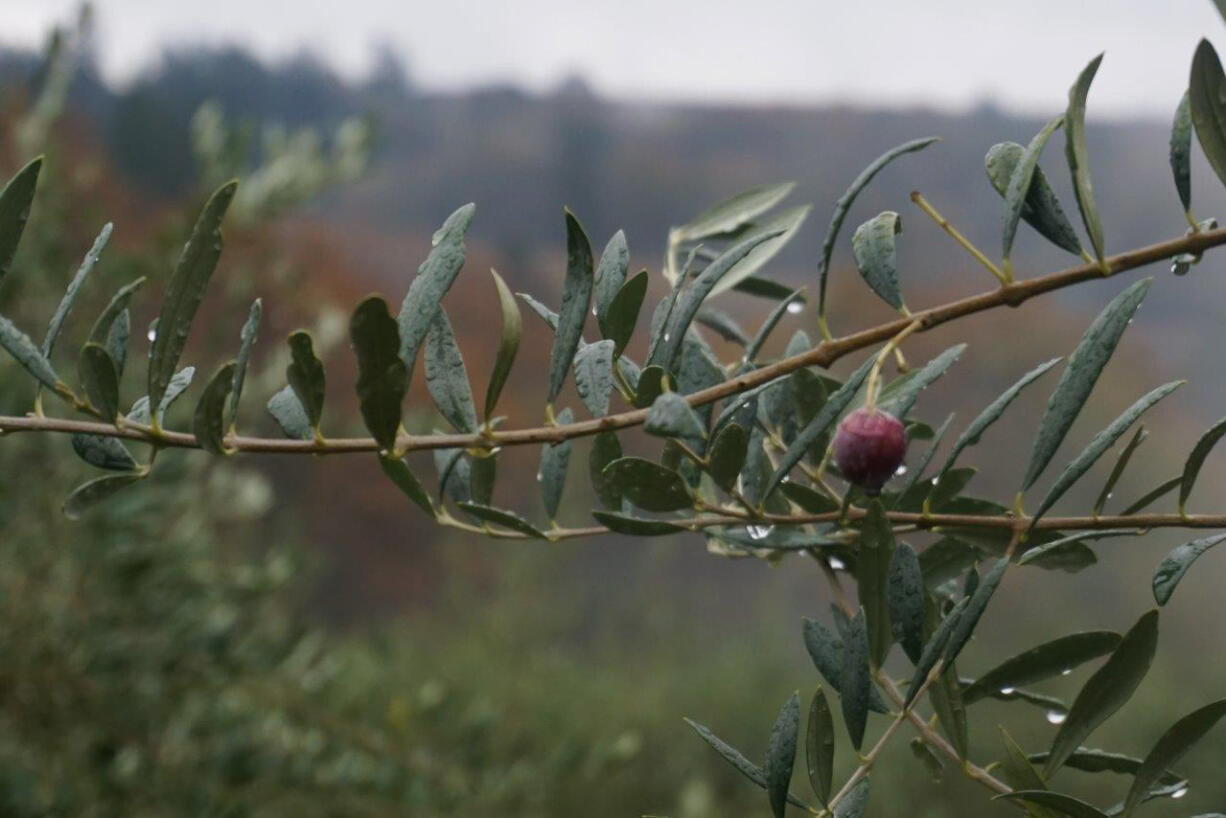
(666, 337)
(936, 481)
(1007, 691)
(1110, 494)
(837, 564)
(1056, 716)
(1180, 793)
(594, 306)
(759, 532)
(1066, 671)
(901, 470)
(152, 335)
(795, 307)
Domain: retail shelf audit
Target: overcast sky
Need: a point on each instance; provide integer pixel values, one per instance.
(1022, 54)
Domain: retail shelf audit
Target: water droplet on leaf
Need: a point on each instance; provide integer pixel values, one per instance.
(1056, 716)
(1007, 691)
(1180, 793)
(759, 532)
(837, 564)
(795, 307)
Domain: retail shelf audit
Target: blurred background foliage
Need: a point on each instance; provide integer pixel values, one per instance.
(256, 638)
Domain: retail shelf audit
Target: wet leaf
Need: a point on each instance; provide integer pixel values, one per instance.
(506, 519)
(96, 491)
(113, 324)
(911, 493)
(946, 697)
(934, 649)
(483, 475)
(289, 414)
(1019, 772)
(576, 297)
(594, 376)
(446, 376)
(27, 354)
(508, 344)
(382, 376)
(1171, 747)
(671, 416)
(650, 386)
(857, 681)
(610, 277)
(74, 288)
(781, 755)
(1181, 152)
(1078, 154)
(104, 452)
(99, 379)
(555, 462)
(855, 802)
(726, 456)
(648, 485)
(809, 499)
(733, 213)
(1041, 208)
(1107, 690)
(723, 325)
(899, 402)
(139, 413)
(1063, 804)
(454, 475)
(1176, 564)
(762, 287)
(773, 318)
(1045, 661)
(606, 447)
(906, 601)
(636, 526)
(1196, 459)
(305, 374)
(819, 746)
(399, 473)
(776, 232)
(1160, 491)
(1084, 366)
(246, 341)
(1102, 441)
(209, 422)
(967, 622)
(1208, 108)
(1017, 194)
(1117, 471)
(434, 278)
(873, 561)
(15, 201)
(623, 313)
(826, 651)
(734, 757)
(876, 258)
(185, 291)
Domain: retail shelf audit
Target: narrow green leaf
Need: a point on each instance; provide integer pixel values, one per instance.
(1078, 155)
(287, 411)
(576, 296)
(734, 757)
(104, 452)
(857, 681)
(1041, 208)
(506, 519)
(1161, 490)
(762, 287)
(508, 344)
(185, 291)
(1017, 194)
(606, 447)
(898, 403)
(848, 199)
(648, 485)
(594, 376)
(1208, 108)
(671, 416)
(855, 802)
(623, 313)
(209, 422)
(906, 601)
(117, 340)
(484, 474)
(246, 341)
(1084, 366)
(454, 475)
(636, 526)
(74, 288)
(873, 560)
(650, 385)
(1019, 772)
(733, 213)
(826, 650)
(610, 277)
(305, 374)
(434, 278)
(1196, 459)
(965, 627)
(113, 324)
(27, 354)
(382, 376)
(726, 457)
(819, 746)
(1175, 564)
(1117, 471)
(723, 324)
(555, 462)
(910, 494)
(139, 413)
(96, 369)
(876, 258)
(96, 491)
(946, 697)
(1061, 803)
(928, 757)
(1107, 690)
(1171, 747)
(992, 413)
(781, 755)
(824, 419)
(1181, 151)
(446, 376)
(1102, 441)
(809, 499)
(935, 649)
(776, 231)
(399, 473)
(15, 201)
(1045, 661)
(784, 307)
(690, 300)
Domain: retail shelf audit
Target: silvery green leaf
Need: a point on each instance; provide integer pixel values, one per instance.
(209, 422)
(873, 246)
(965, 627)
(506, 519)
(606, 447)
(671, 416)
(1041, 208)
(594, 376)
(1208, 109)
(555, 462)
(912, 492)
(1196, 459)
(104, 452)
(117, 339)
(874, 556)
(1078, 154)
(826, 651)
(447, 377)
(1048, 660)
(576, 296)
(74, 288)
(773, 318)
(287, 411)
(734, 757)
(763, 287)
(185, 291)
(399, 473)
(305, 374)
(454, 475)
(139, 413)
(483, 474)
(1118, 470)
(1175, 564)
(434, 278)
(622, 314)
(648, 485)
(113, 325)
(508, 344)
(726, 455)
(935, 649)
(1084, 367)
(733, 213)
(246, 341)
(382, 375)
(723, 324)
(905, 594)
(819, 746)
(781, 755)
(636, 526)
(27, 354)
(96, 369)
(898, 402)
(845, 202)
(855, 802)
(856, 683)
(610, 276)
(1160, 491)
(1021, 181)
(98, 490)
(15, 201)
(779, 230)
(1181, 151)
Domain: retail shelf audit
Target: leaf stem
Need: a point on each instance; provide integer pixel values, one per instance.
(957, 236)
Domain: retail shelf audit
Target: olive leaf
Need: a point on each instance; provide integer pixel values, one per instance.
(636, 526)
(1181, 152)
(781, 309)
(873, 560)
(726, 455)
(15, 201)
(104, 452)
(723, 324)
(382, 375)
(671, 416)
(610, 277)
(876, 258)
(19, 345)
(737, 759)
(208, 422)
(1171, 747)
(855, 802)
(898, 401)
(576, 296)
(287, 411)
(1041, 208)
(819, 746)
(446, 376)
(185, 291)
(731, 214)
(1208, 109)
(1078, 154)
(594, 376)
(856, 681)
(1196, 459)
(96, 369)
(246, 341)
(1117, 470)
(96, 491)
(399, 473)
(606, 447)
(1064, 804)
(826, 650)
(1017, 194)
(776, 231)
(555, 461)
(113, 324)
(1045, 661)
(139, 413)
(648, 485)
(623, 312)
(506, 519)
(74, 289)
(906, 601)
(434, 278)
(305, 374)
(508, 344)
(1175, 564)
(781, 755)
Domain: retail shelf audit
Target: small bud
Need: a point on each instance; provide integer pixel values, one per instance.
(869, 447)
